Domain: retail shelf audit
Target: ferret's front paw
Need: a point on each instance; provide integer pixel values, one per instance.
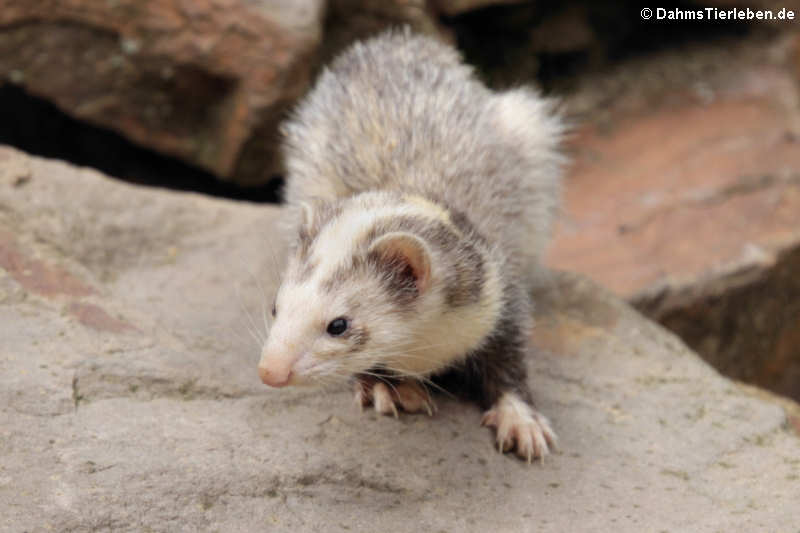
(521, 427)
(386, 396)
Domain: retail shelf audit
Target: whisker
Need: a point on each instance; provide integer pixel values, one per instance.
(251, 327)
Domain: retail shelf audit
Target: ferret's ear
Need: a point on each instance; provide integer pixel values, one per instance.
(406, 256)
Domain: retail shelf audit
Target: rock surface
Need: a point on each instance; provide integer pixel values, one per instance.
(203, 80)
(457, 7)
(347, 21)
(206, 81)
(685, 199)
(129, 399)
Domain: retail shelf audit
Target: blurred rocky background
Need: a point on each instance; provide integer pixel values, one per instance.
(684, 192)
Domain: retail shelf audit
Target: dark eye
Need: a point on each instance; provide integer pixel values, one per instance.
(274, 310)
(337, 326)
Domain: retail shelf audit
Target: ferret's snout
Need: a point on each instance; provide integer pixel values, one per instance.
(275, 370)
(274, 378)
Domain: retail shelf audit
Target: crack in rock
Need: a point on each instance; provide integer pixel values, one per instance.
(95, 380)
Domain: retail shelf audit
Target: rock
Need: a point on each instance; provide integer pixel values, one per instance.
(129, 399)
(563, 32)
(522, 43)
(457, 7)
(206, 81)
(351, 20)
(689, 207)
(203, 80)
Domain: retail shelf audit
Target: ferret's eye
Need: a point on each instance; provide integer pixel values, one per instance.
(337, 326)
(274, 310)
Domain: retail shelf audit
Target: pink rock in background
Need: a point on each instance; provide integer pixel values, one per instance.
(690, 208)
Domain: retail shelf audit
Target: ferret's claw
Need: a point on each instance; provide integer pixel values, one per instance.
(489, 418)
(414, 398)
(385, 397)
(520, 427)
(382, 400)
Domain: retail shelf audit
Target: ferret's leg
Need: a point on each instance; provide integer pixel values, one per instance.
(518, 424)
(504, 387)
(495, 376)
(385, 395)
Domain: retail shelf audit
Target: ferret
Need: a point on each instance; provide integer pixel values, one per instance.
(421, 202)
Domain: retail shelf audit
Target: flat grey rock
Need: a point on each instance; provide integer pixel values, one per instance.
(129, 399)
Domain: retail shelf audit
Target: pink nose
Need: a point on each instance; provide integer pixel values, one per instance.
(274, 377)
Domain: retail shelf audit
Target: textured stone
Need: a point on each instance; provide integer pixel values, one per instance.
(164, 425)
(690, 207)
(204, 80)
(457, 7)
(347, 21)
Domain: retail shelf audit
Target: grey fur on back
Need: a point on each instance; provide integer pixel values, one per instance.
(402, 112)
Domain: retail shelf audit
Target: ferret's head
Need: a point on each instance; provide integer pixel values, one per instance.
(377, 281)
